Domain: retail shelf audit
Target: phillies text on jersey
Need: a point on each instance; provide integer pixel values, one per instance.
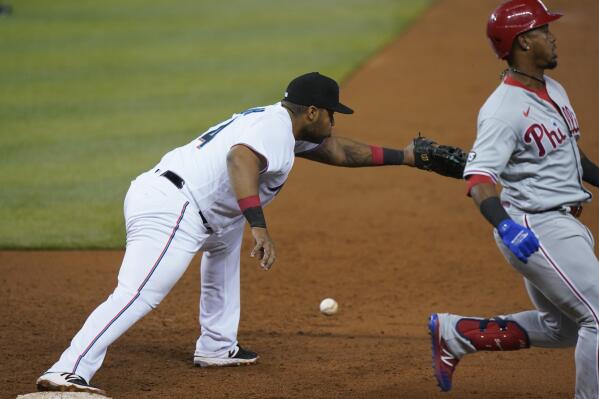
(526, 140)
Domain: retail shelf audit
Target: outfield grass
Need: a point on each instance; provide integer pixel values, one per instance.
(94, 92)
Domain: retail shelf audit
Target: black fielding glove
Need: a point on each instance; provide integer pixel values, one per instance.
(441, 159)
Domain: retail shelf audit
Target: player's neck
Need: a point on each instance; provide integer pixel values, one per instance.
(529, 77)
(295, 123)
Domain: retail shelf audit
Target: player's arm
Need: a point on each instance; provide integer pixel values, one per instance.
(421, 153)
(485, 196)
(495, 143)
(244, 166)
(341, 151)
(519, 239)
(590, 171)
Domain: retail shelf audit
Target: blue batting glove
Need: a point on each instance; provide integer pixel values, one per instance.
(520, 240)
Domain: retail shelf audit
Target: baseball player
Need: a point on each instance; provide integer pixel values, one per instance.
(198, 198)
(527, 139)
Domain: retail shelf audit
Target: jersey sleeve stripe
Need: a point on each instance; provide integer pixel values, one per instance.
(473, 180)
(471, 172)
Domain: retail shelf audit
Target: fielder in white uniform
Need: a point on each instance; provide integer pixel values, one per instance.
(198, 198)
(527, 141)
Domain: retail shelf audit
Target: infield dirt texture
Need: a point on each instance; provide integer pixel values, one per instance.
(391, 245)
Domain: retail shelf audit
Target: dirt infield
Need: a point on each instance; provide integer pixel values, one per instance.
(391, 245)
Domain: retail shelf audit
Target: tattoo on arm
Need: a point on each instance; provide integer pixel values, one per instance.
(341, 151)
(356, 154)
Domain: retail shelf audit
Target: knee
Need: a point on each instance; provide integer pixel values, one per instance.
(151, 298)
(124, 295)
(588, 324)
(568, 338)
(561, 329)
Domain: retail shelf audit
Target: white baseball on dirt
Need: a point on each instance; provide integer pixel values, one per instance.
(329, 306)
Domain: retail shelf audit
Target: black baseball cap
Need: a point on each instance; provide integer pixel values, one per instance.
(317, 90)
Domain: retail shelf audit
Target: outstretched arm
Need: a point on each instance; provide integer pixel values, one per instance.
(421, 153)
(590, 171)
(341, 151)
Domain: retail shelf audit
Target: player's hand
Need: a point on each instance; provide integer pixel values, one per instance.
(408, 154)
(520, 240)
(264, 247)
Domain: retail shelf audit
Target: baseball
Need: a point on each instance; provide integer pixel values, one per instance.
(329, 306)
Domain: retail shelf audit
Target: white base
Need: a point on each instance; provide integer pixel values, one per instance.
(61, 395)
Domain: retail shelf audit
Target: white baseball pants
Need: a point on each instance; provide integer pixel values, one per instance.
(164, 232)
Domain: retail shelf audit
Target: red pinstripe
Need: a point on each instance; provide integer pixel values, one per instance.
(576, 292)
(156, 263)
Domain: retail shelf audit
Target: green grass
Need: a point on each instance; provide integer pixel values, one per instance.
(92, 93)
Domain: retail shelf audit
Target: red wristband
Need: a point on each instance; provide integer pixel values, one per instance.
(377, 155)
(249, 202)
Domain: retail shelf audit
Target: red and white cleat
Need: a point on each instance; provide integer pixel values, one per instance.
(444, 362)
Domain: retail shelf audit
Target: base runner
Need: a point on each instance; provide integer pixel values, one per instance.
(528, 141)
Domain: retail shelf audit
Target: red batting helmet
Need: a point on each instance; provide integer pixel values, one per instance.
(513, 18)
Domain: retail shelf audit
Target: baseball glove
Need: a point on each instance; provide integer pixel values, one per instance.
(442, 159)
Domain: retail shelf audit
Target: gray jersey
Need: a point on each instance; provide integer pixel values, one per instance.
(527, 141)
(529, 146)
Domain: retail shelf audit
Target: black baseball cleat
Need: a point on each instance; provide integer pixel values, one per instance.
(235, 357)
(65, 382)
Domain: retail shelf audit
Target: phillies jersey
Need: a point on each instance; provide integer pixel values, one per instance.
(203, 162)
(527, 141)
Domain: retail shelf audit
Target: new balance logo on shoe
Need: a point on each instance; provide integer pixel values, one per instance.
(447, 358)
(444, 362)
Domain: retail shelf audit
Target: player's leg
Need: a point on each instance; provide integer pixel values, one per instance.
(220, 303)
(570, 291)
(455, 336)
(546, 327)
(163, 234)
(571, 282)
